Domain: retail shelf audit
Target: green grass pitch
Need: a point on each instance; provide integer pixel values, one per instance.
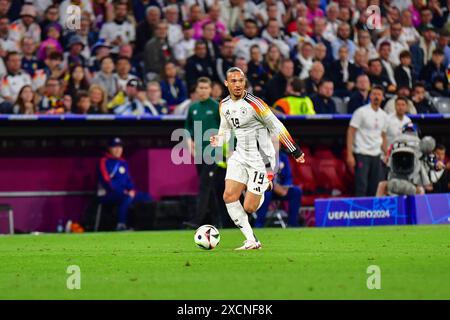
(311, 263)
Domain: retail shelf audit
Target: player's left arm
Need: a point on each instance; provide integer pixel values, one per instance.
(277, 128)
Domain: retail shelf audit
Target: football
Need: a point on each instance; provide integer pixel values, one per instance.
(207, 237)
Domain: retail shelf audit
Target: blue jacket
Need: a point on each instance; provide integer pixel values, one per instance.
(168, 95)
(114, 174)
(284, 175)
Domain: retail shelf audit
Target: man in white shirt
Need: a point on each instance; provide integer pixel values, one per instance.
(119, 31)
(396, 41)
(396, 121)
(249, 39)
(366, 139)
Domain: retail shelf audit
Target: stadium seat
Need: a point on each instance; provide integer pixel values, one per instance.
(442, 104)
(341, 105)
(324, 153)
(303, 174)
(327, 175)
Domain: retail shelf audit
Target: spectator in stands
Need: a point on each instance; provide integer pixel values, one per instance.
(361, 60)
(443, 44)
(137, 65)
(272, 61)
(199, 65)
(51, 16)
(13, 81)
(388, 68)
(217, 91)
(320, 55)
(146, 29)
(77, 81)
(343, 73)
(301, 34)
(441, 178)
(26, 25)
(136, 102)
(396, 122)
(332, 13)
(256, 74)
(185, 48)
(208, 37)
(84, 6)
(343, 38)
(83, 103)
(233, 13)
(220, 30)
(276, 87)
(440, 87)
(377, 77)
(115, 182)
(366, 139)
(226, 59)
(283, 189)
(364, 42)
(272, 34)
(421, 102)
(421, 52)
(51, 102)
(8, 42)
(434, 69)
(409, 33)
(295, 103)
(175, 32)
(154, 97)
(87, 36)
(98, 98)
(157, 52)
(303, 60)
(404, 73)
(173, 88)
(67, 105)
(322, 101)
(316, 75)
(105, 77)
(360, 96)
(396, 41)
(29, 61)
(73, 56)
(249, 38)
(319, 25)
(123, 75)
(51, 43)
(120, 30)
(26, 101)
(54, 65)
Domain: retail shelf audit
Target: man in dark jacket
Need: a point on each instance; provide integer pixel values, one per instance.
(115, 183)
(435, 68)
(276, 87)
(360, 97)
(323, 104)
(343, 73)
(422, 104)
(199, 65)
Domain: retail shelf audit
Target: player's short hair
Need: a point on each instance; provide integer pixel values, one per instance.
(401, 98)
(235, 69)
(440, 146)
(419, 84)
(204, 80)
(82, 94)
(405, 54)
(250, 20)
(377, 87)
(10, 54)
(372, 61)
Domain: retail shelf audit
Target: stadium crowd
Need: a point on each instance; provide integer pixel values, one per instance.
(145, 56)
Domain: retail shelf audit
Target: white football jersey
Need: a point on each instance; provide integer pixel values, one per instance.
(253, 124)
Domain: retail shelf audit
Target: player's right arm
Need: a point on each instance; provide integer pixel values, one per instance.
(224, 131)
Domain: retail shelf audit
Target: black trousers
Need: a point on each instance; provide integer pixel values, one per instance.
(368, 173)
(211, 208)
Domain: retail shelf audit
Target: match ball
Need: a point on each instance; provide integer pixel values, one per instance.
(207, 237)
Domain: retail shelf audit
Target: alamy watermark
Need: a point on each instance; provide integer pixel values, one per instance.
(73, 18)
(373, 14)
(73, 281)
(374, 279)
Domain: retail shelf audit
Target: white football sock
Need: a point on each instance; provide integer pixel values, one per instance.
(261, 201)
(240, 219)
